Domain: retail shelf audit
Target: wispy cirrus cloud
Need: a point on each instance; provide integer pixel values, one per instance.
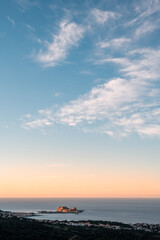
(99, 102)
(147, 8)
(46, 119)
(120, 106)
(101, 16)
(144, 10)
(144, 64)
(146, 27)
(11, 21)
(26, 4)
(29, 27)
(147, 19)
(43, 122)
(139, 64)
(56, 51)
(150, 130)
(115, 43)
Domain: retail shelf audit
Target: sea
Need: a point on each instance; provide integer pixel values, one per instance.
(106, 209)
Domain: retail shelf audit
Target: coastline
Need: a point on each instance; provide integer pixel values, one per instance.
(152, 228)
(121, 210)
(24, 228)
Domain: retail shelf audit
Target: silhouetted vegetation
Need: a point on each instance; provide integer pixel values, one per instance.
(14, 228)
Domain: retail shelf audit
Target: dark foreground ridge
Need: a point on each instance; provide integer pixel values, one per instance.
(20, 228)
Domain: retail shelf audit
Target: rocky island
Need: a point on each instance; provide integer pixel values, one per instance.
(62, 209)
(68, 210)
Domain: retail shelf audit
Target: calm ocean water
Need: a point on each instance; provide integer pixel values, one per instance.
(121, 210)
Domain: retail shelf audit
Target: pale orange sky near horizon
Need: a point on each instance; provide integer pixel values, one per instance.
(61, 181)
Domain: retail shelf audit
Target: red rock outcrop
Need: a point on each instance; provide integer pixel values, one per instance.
(64, 209)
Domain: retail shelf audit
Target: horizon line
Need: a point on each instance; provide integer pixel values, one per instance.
(80, 197)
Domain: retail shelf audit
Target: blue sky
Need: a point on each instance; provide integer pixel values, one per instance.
(80, 87)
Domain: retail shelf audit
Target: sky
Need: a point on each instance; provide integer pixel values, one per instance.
(80, 98)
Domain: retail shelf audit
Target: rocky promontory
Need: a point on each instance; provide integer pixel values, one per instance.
(63, 209)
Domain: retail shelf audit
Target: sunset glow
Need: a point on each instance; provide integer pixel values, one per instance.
(79, 99)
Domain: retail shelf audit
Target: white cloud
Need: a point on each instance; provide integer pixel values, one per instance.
(119, 106)
(151, 130)
(87, 72)
(99, 102)
(144, 9)
(139, 64)
(30, 27)
(146, 27)
(25, 4)
(116, 43)
(147, 19)
(57, 94)
(145, 64)
(11, 21)
(37, 123)
(69, 35)
(147, 8)
(28, 116)
(102, 17)
(121, 61)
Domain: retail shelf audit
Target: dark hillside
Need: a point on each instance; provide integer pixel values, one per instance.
(14, 228)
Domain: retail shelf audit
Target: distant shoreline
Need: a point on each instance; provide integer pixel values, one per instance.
(127, 211)
(53, 212)
(108, 225)
(98, 223)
